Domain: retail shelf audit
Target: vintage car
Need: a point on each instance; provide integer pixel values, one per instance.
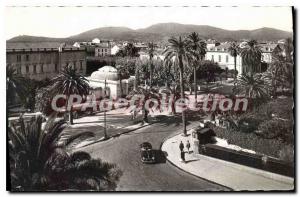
(147, 154)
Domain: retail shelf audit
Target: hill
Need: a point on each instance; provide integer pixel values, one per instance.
(162, 31)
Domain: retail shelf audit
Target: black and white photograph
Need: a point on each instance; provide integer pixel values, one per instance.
(150, 98)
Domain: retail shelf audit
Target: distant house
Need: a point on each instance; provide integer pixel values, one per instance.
(115, 49)
(96, 41)
(103, 49)
(77, 44)
(267, 50)
(221, 55)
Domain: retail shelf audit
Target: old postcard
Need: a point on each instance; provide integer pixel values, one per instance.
(150, 98)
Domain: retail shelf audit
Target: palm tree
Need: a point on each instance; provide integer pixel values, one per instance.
(251, 56)
(147, 93)
(122, 74)
(253, 87)
(289, 49)
(151, 51)
(234, 51)
(280, 71)
(14, 84)
(178, 49)
(132, 52)
(68, 83)
(198, 50)
(39, 160)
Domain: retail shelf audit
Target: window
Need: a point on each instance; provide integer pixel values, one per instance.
(18, 58)
(105, 50)
(220, 58)
(81, 65)
(56, 67)
(34, 69)
(27, 57)
(102, 50)
(42, 68)
(212, 57)
(27, 69)
(227, 58)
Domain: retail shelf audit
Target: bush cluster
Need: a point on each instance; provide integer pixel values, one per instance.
(266, 130)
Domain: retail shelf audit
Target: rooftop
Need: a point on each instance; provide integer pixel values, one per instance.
(36, 46)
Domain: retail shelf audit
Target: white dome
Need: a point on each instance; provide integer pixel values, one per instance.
(106, 72)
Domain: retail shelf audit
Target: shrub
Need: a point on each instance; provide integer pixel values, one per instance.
(287, 154)
(248, 124)
(250, 141)
(277, 129)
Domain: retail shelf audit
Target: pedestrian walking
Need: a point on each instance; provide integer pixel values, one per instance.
(181, 146)
(188, 146)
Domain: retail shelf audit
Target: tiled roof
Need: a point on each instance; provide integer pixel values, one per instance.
(32, 45)
(27, 46)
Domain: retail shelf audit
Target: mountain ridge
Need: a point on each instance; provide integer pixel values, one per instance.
(162, 31)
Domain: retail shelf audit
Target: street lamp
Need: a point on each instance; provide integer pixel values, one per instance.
(105, 133)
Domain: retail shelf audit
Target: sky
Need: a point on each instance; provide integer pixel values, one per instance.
(68, 21)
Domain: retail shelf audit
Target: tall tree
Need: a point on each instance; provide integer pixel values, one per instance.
(123, 73)
(253, 87)
(289, 50)
(251, 57)
(39, 160)
(15, 85)
(151, 51)
(68, 83)
(132, 52)
(147, 93)
(280, 71)
(178, 49)
(198, 51)
(234, 51)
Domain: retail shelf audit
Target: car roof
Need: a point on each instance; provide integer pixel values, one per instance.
(146, 144)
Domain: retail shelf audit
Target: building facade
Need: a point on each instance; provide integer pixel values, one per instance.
(40, 61)
(103, 49)
(221, 55)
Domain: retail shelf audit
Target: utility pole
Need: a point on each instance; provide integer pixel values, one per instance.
(105, 133)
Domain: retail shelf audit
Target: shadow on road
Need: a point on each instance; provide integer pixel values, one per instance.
(160, 156)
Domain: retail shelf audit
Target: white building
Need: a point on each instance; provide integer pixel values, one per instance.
(267, 50)
(109, 73)
(221, 55)
(96, 41)
(115, 49)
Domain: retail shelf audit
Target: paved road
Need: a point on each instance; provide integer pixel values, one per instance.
(124, 151)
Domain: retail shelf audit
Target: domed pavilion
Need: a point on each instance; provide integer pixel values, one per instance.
(113, 88)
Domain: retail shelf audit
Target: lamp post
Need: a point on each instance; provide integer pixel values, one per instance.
(105, 133)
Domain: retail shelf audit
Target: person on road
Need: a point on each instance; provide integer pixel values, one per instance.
(182, 156)
(188, 146)
(181, 146)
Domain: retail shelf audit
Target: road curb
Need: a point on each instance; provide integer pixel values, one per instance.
(213, 181)
(177, 133)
